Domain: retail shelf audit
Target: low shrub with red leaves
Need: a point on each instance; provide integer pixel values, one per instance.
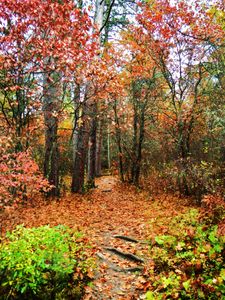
(20, 176)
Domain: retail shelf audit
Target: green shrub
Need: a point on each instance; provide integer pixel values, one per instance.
(189, 264)
(43, 263)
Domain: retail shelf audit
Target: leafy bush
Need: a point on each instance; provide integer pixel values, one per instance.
(20, 176)
(192, 178)
(43, 263)
(189, 264)
(213, 209)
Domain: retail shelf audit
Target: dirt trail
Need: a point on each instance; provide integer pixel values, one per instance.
(108, 215)
(120, 240)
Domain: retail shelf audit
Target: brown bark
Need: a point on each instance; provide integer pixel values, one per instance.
(51, 110)
(92, 153)
(78, 174)
(119, 143)
(98, 167)
(137, 167)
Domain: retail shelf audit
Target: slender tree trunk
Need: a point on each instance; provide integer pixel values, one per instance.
(19, 114)
(52, 95)
(135, 142)
(98, 167)
(92, 150)
(77, 118)
(119, 143)
(120, 153)
(78, 174)
(99, 13)
(139, 149)
(183, 152)
(108, 148)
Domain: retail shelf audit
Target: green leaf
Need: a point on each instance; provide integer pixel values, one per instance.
(23, 289)
(29, 253)
(222, 274)
(165, 239)
(186, 285)
(150, 296)
(218, 248)
(212, 237)
(159, 240)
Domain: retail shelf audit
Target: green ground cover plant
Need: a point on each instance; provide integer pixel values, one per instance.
(43, 263)
(189, 262)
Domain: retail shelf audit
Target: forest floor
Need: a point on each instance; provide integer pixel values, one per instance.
(118, 221)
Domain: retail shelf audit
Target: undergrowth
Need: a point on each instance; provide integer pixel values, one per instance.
(43, 263)
(188, 262)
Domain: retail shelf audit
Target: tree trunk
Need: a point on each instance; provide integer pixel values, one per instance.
(99, 13)
(98, 166)
(118, 141)
(139, 149)
(77, 118)
(52, 94)
(78, 174)
(120, 153)
(135, 142)
(108, 148)
(92, 150)
(183, 152)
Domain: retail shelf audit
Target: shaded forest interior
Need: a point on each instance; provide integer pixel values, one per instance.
(118, 86)
(132, 90)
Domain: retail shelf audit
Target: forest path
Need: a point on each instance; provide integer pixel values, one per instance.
(120, 241)
(112, 209)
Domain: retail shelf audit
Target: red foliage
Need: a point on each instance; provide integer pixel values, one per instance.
(168, 20)
(20, 176)
(34, 30)
(39, 37)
